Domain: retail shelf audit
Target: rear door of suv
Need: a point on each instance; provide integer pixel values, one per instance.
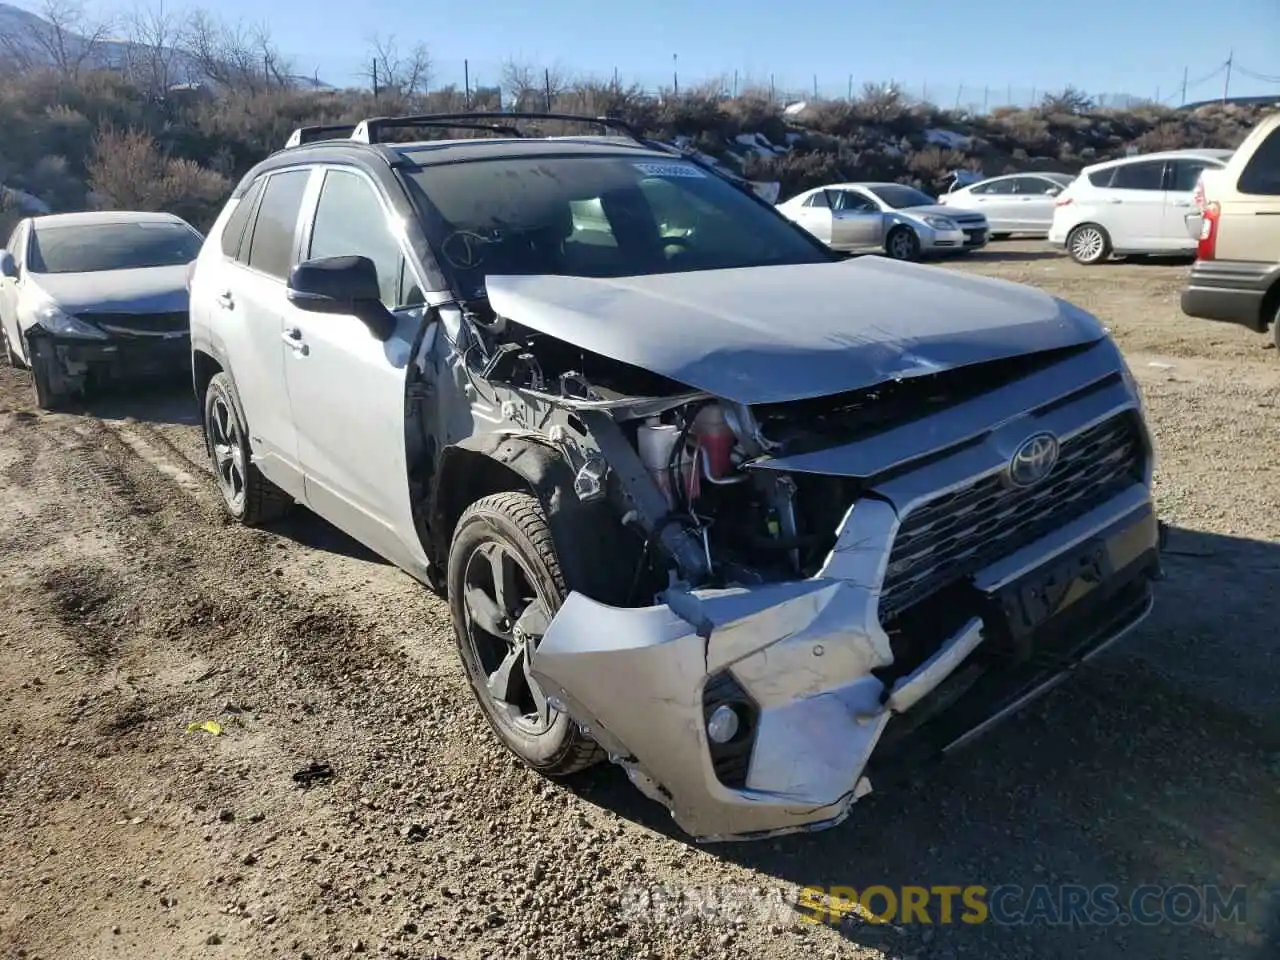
(238, 295)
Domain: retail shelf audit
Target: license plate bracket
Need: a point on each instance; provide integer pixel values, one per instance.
(1047, 591)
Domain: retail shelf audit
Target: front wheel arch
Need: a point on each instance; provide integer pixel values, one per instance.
(600, 566)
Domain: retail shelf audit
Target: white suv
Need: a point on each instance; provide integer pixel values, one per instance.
(705, 497)
(1137, 205)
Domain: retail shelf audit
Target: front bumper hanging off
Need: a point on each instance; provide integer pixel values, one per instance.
(71, 364)
(803, 657)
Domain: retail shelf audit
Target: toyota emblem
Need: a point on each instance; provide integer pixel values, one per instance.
(1033, 460)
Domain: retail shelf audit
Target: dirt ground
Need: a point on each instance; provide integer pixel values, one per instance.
(130, 609)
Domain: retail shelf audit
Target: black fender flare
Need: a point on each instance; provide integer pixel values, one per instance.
(597, 553)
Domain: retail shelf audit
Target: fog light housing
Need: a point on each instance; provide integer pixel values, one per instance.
(723, 724)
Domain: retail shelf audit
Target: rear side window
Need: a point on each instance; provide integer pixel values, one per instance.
(233, 232)
(1102, 178)
(1139, 176)
(1261, 175)
(271, 246)
(819, 199)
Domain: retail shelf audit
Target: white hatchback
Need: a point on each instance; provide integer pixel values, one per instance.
(1137, 205)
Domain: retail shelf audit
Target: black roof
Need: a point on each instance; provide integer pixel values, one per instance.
(424, 153)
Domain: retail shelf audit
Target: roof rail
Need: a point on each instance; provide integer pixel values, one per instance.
(331, 131)
(369, 131)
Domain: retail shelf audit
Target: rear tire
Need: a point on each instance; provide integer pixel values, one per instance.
(248, 496)
(505, 583)
(902, 244)
(1088, 244)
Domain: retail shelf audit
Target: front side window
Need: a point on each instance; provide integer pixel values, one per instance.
(271, 243)
(596, 216)
(124, 245)
(993, 187)
(350, 221)
(856, 203)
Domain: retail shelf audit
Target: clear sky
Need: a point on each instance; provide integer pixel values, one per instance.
(985, 49)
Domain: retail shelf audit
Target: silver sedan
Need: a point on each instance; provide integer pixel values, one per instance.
(892, 218)
(1015, 203)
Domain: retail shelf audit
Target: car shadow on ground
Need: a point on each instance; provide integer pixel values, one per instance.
(988, 255)
(309, 530)
(1157, 764)
(169, 401)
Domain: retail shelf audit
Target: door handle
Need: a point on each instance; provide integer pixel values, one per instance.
(1182, 203)
(1025, 199)
(293, 337)
(226, 301)
(1115, 200)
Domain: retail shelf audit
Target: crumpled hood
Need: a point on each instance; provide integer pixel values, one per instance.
(773, 334)
(146, 290)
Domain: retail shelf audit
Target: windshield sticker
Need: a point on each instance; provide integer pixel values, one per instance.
(670, 170)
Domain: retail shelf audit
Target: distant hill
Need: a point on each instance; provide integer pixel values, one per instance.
(27, 35)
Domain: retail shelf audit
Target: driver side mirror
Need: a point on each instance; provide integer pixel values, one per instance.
(1053, 191)
(342, 285)
(8, 265)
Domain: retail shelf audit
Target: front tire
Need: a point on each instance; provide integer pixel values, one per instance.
(1088, 244)
(505, 583)
(248, 496)
(10, 354)
(902, 244)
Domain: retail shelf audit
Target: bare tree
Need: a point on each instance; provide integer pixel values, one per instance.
(531, 87)
(154, 59)
(67, 39)
(235, 56)
(1069, 100)
(390, 71)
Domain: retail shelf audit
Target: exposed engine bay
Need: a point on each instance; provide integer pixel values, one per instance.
(752, 526)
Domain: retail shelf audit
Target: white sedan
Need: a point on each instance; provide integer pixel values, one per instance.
(890, 217)
(1014, 203)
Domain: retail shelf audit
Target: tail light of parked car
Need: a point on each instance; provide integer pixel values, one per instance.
(1197, 197)
(1062, 201)
(1206, 249)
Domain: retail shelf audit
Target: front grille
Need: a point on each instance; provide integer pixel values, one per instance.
(959, 533)
(144, 323)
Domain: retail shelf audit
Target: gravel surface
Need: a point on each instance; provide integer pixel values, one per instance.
(129, 609)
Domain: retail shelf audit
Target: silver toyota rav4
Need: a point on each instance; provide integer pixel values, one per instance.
(756, 522)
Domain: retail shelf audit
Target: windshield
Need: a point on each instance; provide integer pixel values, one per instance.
(899, 197)
(112, 246)
(610, 216)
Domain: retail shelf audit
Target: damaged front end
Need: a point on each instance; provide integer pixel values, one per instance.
(91, 350)
(828, 586)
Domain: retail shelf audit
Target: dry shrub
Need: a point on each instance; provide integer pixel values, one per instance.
(129, 171)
